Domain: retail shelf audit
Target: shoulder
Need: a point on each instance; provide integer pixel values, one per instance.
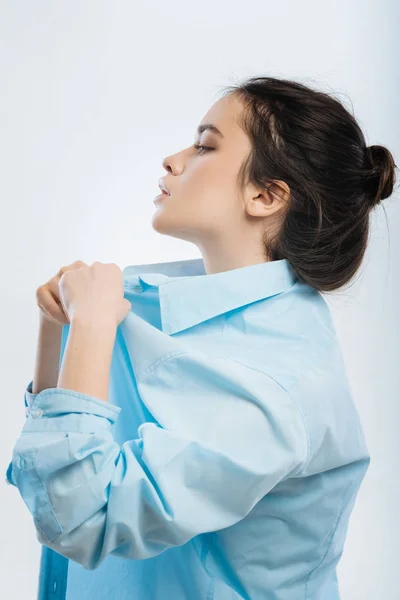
(285, 336)
(225, 390)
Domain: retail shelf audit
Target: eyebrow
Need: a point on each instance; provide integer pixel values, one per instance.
(210, 127)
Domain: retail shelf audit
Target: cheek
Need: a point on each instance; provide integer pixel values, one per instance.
(213, 212)
(206, 193)
(211, 173)
(214, 189)
(213, 202)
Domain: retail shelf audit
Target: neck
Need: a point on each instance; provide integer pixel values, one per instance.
(218, 258)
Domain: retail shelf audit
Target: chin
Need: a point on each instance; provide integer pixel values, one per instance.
(157, 222)
(161, 225)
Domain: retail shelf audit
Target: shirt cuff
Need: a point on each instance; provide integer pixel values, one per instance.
(61, 409)
(29, 397)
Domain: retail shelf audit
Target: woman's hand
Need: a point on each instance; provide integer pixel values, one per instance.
(48, 296)
(94, 294)
(95, 290)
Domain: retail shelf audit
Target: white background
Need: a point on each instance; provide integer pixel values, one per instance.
(93, 96)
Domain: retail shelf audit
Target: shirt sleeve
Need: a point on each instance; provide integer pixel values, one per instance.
(28, 399)
(225, 435)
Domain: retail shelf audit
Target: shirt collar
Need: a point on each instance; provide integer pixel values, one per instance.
(188, 296)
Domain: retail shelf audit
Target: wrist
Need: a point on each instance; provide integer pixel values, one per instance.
(95, 334)
(87, 359)
(48, 323)
(93, 323)
(47, 355)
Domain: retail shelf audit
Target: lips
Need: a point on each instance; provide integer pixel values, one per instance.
(163, 187)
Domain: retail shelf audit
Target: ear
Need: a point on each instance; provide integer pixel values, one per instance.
(277, 190)
(270, 199)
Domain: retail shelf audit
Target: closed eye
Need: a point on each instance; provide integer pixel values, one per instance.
(202, 149)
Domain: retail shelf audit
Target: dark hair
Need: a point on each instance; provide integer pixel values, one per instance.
(309, 140)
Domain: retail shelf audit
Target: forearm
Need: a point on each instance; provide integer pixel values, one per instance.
(87, 358)
(47, 355)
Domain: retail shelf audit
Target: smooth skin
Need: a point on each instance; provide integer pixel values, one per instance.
(91, 299)
(205, 207)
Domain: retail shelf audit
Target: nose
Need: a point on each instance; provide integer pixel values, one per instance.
(166, 165)
(175, 163)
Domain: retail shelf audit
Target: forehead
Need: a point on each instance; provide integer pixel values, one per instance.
(224, 113)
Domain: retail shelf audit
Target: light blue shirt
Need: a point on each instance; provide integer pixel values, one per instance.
(227, 461)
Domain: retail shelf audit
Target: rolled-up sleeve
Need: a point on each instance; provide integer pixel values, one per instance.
(225, 435)
(28, 399)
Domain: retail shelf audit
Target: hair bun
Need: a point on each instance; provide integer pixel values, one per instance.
(381, 175)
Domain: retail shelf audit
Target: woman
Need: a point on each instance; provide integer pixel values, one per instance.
(239, 455)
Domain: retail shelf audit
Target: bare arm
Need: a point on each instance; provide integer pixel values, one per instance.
(87, 358)
(47, 355)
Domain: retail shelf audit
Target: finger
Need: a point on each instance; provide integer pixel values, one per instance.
(75, 265)
(55, 291)
(51, 305)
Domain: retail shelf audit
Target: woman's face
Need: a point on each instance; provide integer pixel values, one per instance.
(205, 206)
